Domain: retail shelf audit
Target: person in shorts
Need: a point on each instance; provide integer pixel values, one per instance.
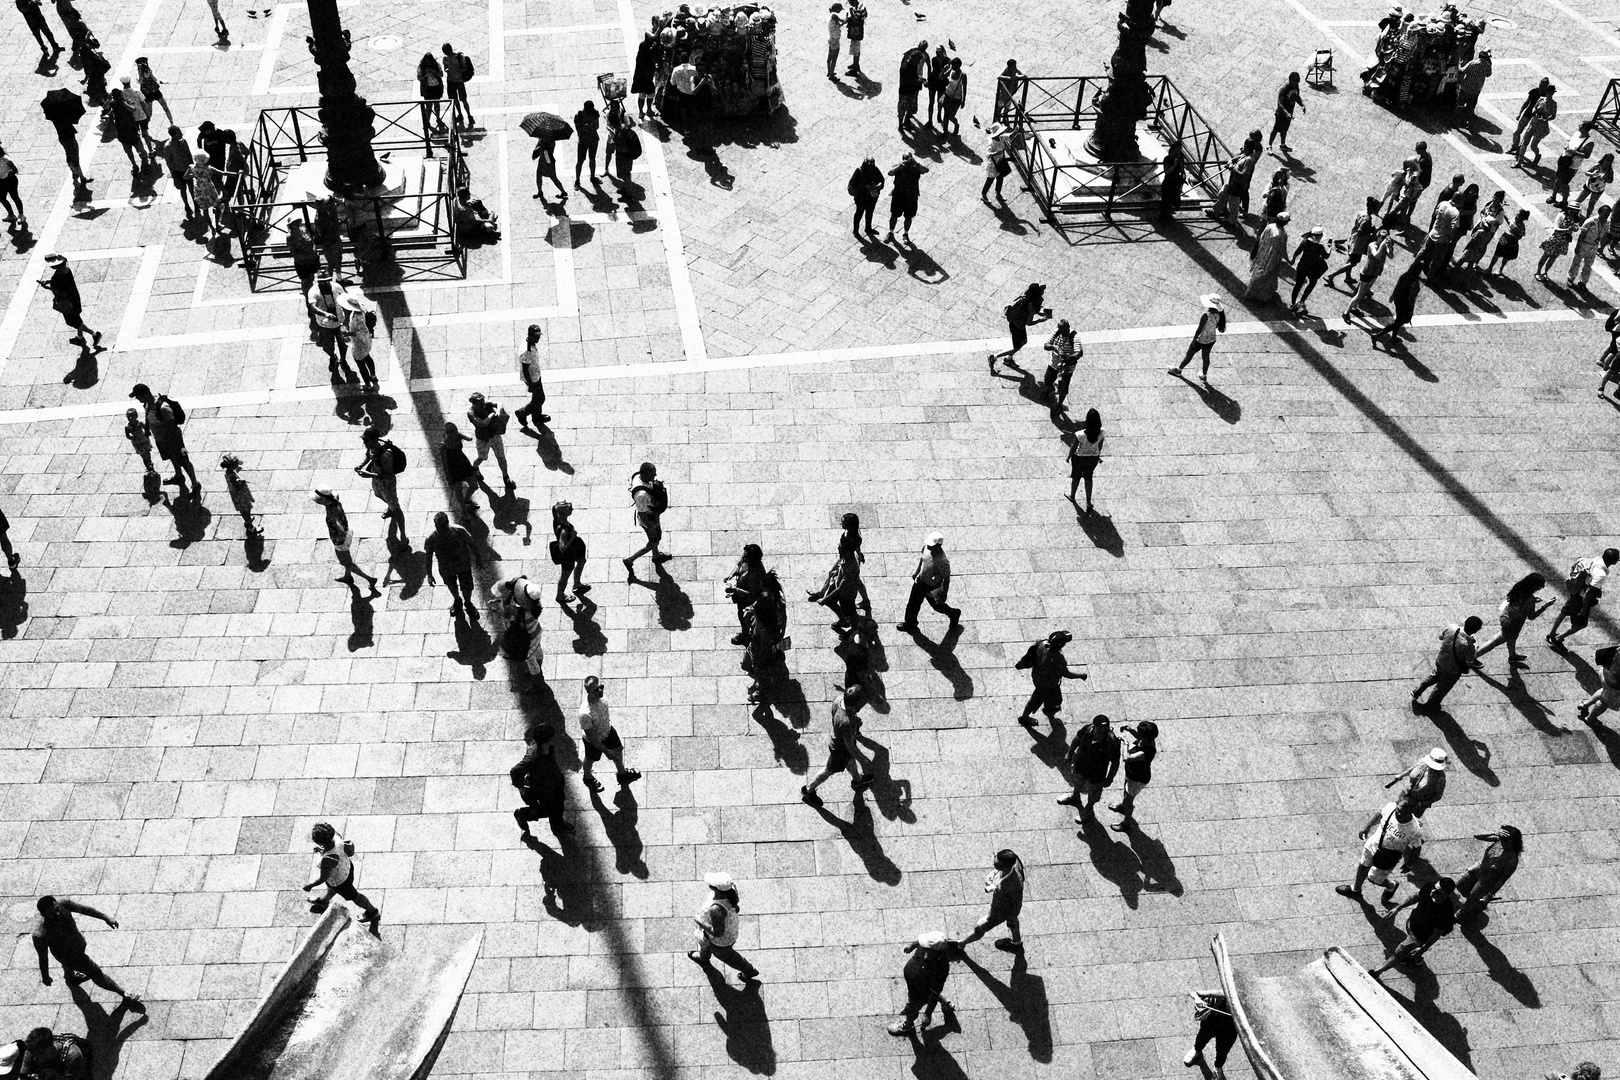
(1585, 585)
(842, 751)
(1005, 884)
(648, 497)
(1094, 759)
(1138, 769)
(1432, 918)
(601, 740)
(567, 551)
(451, 547)
(337, 528)
(1388, 834)
(1607, 695)
(336, 871)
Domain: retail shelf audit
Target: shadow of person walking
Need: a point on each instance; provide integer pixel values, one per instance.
(1024, 998)
(743, 1019)
(620, 827)
(104, 1031)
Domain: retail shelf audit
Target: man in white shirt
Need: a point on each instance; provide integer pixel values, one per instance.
(835, 28)
(529, 368)
(1585, 585)
(601, 741)
(931, 581)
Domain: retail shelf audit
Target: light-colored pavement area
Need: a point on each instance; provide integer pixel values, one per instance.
(1272, 564)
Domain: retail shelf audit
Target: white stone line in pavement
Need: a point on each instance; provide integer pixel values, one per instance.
(1468, 153)
(495, 66)
(1600, 64)
(292, 350)
(583, 28)
(165, 50)
(272, 48)
(396, 383)
(680, 281)
(1592, 25)
(140, 294)
(16, 315)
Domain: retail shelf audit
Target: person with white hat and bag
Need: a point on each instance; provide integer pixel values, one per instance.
(1211, 324)
(717, 921)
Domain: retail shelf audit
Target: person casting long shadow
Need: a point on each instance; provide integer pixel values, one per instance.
(1024, 998)
(743, 1018)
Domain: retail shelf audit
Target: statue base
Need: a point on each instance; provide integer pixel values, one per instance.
(1080, 182)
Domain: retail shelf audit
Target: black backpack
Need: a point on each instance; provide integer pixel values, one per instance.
(467, 69)
(175, 407)
(660, 496)
(397, 458)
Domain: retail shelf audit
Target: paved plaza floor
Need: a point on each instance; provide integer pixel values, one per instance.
(1273, 559)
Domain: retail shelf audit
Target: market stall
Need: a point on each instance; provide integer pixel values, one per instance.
(721, 61)
(1420, 57)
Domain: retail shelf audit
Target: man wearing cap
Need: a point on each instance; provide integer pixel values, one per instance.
(163, 421)
(717, 925)
(931, 581)
(56, 934)
(1455, 658)
(529, 368)
(64, 290)
(539, 782)
(1094, 759)
(925, 974)
(489, 420)
(1047, 668)
(601, 740)
(1480, 883)
(843, 751)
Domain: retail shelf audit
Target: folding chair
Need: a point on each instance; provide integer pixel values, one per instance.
(1321, 70)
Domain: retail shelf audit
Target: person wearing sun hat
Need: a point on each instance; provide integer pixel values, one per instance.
(925, 973)
(64, 290)
(1210, 324)
(1310, 263)
(717, 922)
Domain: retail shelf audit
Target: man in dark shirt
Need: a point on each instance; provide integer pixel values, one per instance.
(912, 66)
(35, 18)
(1432, 918)
(1287, 101)
(539, 780)
(56, 934)
(1094, 759)
(451, 547)
(1047, 669)
(925, 974)
(842, 751)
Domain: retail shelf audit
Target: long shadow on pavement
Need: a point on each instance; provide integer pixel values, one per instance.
(1474, 754)
(862, 839)
(105, 1032)
(1501, 969)
(746, 1026)
(1024, 998)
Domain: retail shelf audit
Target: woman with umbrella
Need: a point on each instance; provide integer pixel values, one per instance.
(547, 129)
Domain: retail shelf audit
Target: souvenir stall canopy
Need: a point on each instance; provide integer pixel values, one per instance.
(734, 46)
(1419, 57)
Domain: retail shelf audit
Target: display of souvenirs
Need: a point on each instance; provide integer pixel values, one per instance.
(733, 50)
(1420, 57)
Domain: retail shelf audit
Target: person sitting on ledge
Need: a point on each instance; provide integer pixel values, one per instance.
(474, 222)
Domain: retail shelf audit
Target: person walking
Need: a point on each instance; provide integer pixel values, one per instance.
(1522, 118)
(903, 195)
(1019, 314)
(451, 547)
(1584, 588)
(358, 324)
(925, 975)
(336, 872)
(489, 420)
(588, 133)
(457, 70)
(1424, 784)
(1139, 757)
(539, 781)
(717, 921)
(518, 603)
(322, 302)
(534, 380)
(12, 558)
(1362, 231)
(865, 185)
(382, 465)
(1214, 1015)
(1535, 126)
(1432, 918)
(1607, 695)
(843, 749)
(1093, 756)
(142, 112)
(1387, 835)
(545, 168)
(64, 290)
(1507, 248)
(1588, 236)
(745, 585)
(236, 486)
(342, 537)
(459, 471)
(306, 259)
(842, 587)
(140, 438)
(1211, 324)
(1310, 262)
(1403, 300)
(1478, 885)
(1471, 81)
(1005, 884)
(56, 934)
(1270, 249)
(34, 17)
(913, 70)
(650, 499)
(10, 195)
(1047, 667)
(1558, 241)
(855, 29)
(567, 551)
(1233, 201)
(931, 581)
(599, 736)
(1085, 453)
(164, 419)
(835, 38)
(1518, 608)
(221, 31)
(1454, 660)
(1065, 350)
(1288, 100)
(1378, 252)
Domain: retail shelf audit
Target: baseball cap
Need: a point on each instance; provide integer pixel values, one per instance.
(719, 880)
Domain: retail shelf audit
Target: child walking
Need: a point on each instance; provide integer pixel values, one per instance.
(140, 437)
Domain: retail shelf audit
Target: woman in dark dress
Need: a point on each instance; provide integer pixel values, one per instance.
(567, 550)
(843, 584)
(641, 80)
(462, 475)
(1403, 299)
(1175, 180)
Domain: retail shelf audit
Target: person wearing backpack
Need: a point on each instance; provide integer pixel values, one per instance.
(430, 88)
(865, 184)
(382, 466)
(1585, 587)
(1457, 657)
(1047, 667)
(48, 1055)
(489, 420)
(517, 600)
(164, 419)
(650, 500)
(457, 70)
(336, 871)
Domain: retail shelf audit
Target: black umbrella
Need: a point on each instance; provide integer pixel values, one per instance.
(62, 106)
(544, 125)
